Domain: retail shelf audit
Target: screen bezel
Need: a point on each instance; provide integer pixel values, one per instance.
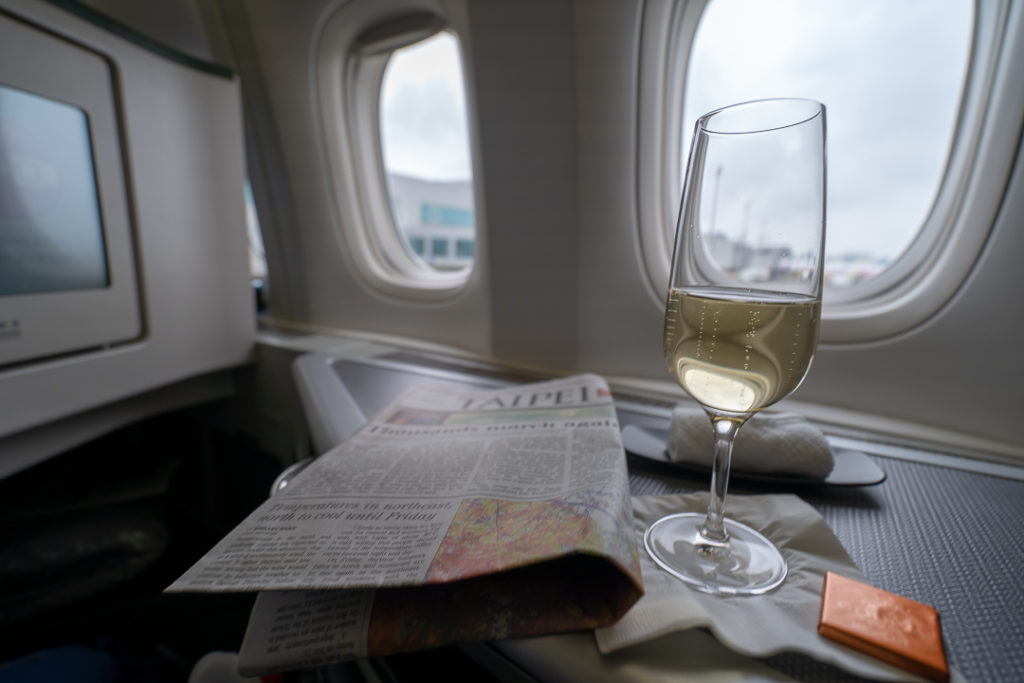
(39, 325)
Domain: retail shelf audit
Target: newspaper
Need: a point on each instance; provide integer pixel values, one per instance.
(455, 515)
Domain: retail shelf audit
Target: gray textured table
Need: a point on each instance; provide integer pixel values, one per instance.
(948, 537)
(940, 534)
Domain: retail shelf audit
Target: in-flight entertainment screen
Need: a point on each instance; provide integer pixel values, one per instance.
(51, 231)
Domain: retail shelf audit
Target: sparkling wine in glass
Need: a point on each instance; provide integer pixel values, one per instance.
(742, 311)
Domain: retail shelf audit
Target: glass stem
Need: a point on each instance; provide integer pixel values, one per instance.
(725, 434)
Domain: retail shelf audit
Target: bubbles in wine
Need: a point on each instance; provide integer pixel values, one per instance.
(757, 350)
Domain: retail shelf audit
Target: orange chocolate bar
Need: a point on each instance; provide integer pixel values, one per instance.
(895, 629)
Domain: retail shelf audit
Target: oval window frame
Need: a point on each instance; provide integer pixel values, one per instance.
(351, 57)
(941, 256)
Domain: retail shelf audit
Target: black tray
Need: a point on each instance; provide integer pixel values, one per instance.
(851, 468)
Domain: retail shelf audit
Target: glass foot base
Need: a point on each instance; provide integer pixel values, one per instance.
(745, 564)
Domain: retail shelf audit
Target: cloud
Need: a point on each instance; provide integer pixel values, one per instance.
(890, 74)
(423, 111)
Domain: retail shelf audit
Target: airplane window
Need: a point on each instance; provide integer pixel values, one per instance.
(891, 74)
(425, 146)
(257, 256)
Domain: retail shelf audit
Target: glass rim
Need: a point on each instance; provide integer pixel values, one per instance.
(809, 109)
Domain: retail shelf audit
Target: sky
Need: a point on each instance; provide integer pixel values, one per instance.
(890, 73)
(423, 107)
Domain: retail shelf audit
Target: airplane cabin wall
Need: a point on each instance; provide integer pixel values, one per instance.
(174, 23)
(183, 153)
(955, 379)
(560, 283)
(313, 281)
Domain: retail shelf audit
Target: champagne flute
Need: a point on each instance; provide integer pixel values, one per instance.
(742, 312)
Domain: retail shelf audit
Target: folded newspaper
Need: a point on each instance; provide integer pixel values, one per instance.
(453, 516)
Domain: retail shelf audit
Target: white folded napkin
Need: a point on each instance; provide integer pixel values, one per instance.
(784, 620)
(768, 443)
